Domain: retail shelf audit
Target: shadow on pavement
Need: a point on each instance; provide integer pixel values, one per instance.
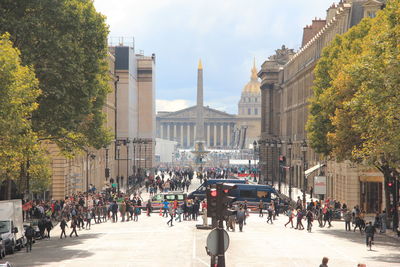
(53, 250)
(381, 243)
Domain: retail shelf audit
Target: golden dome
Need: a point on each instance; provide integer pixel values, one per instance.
(254, 85)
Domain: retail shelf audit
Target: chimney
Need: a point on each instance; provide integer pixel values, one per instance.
(331, 12)
(310, 31)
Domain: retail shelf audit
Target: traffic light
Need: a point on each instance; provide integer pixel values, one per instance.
(225, 200)
(390, 184)
(212, 196)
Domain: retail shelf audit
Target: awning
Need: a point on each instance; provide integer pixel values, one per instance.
(313, 169)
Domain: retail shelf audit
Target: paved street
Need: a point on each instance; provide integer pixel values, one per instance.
(150, 242)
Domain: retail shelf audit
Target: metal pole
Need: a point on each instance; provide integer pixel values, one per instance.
(127, 167)
(221, 252)
(304, 179)
(290, 173)
(87, 171)
(118, 178)
(279, 169)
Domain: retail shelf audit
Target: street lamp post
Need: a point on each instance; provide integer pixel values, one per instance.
(267, 145)
(118, 147)
(289, 147)
(273, 158)
(128, 141)
(254, 157)
(304, 150)
(279, 145)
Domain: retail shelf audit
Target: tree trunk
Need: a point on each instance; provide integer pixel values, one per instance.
(8, 188)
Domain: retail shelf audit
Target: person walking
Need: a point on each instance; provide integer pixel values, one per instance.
(63, 224)
(290, 215)
(171, 214)
(347, 220)
(148, 207)
(166, 207)
(73, 227)
(299, 224)
(369, 232)
(310, 218)
(270, 214)
(136, 213)
(49, 226)
(114, 211)
(29, 234)
(260, 208)
(88, 219)
(240, 217)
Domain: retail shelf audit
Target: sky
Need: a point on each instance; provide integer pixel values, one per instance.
(226, 34)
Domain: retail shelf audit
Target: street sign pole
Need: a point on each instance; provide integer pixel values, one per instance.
(221, 251)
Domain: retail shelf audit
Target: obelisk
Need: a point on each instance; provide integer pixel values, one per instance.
(199, 107)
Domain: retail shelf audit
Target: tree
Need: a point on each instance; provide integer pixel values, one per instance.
(354, 112)
(19, 90)
(66, 42)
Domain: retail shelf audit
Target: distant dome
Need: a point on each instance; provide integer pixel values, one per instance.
(254, 85)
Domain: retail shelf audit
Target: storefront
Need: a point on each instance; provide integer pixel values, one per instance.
(371, 193)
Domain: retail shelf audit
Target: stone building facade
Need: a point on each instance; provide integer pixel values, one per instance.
(221, 129)
(287, 88)
(130, 115)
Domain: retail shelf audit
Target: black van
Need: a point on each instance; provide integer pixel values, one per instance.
(200, 192)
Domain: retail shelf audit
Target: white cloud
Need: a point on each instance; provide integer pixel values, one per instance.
(171, 105)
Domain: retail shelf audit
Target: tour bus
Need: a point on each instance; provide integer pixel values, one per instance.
(200, 192)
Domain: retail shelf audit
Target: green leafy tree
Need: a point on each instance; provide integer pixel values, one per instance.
(19, 90)
(66, 43)
(356, 106)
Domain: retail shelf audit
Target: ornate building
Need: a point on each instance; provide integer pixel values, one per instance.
(221, 130)
(249, 110)
(287, 80)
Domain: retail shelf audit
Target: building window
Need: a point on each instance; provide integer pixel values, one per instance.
(256, 111)
(371, 14)
(249, 111)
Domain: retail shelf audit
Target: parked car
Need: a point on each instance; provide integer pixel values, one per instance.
(6, 264)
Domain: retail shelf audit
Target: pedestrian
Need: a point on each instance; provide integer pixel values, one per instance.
(148, 207)
(179, 212)
(171, 214)
(73, 227)
(270, 214)
(114, 210)
(310, 218)
(246, 212)
(369, 232)
(299, 224)
(324, 262)
(240, 217)
(49, 226)
(136, 213)
(260, 208)
(347, 220)
(88, 219)
(166, 206)
(29, 234)
(290, 215)
(63, 224)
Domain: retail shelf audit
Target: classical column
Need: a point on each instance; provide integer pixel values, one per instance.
(174, 134)
(188, 135)
(182, 134)
(208, 135)
(215, 135)
(168, 131)
(161, 131)
(194, 133)
(228, 135)
(222, 135)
